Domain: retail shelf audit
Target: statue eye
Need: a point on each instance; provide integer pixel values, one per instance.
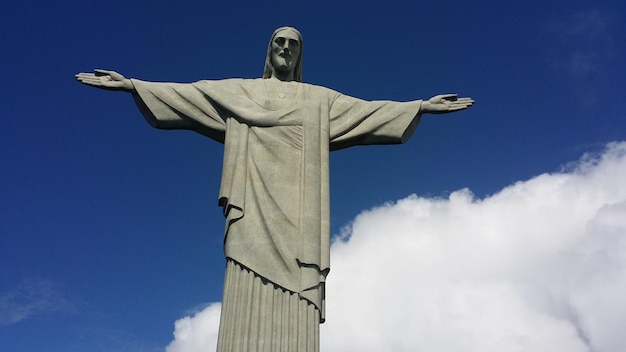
(294, 42)
(280, 41)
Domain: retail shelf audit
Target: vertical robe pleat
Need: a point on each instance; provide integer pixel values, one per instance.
(258, 316)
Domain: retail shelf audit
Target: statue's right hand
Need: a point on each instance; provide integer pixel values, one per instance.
(109, 80)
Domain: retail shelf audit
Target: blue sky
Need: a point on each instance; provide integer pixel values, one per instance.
(110, 230)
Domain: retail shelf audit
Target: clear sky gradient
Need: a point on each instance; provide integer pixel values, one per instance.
(110, 230)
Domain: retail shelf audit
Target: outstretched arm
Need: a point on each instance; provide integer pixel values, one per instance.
(441, 104)
(103, 79)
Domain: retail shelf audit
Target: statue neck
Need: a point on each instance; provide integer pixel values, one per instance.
(285, 76)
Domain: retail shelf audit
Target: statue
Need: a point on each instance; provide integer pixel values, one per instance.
(277, 134)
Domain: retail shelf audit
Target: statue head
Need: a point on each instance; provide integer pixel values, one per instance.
(284, 54)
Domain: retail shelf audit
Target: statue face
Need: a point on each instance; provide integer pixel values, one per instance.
(285, 50)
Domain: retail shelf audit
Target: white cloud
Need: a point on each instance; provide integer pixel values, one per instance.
(539, 266)
(32, 296)
(198, 332)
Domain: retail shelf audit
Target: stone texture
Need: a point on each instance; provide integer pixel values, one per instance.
(277, 133)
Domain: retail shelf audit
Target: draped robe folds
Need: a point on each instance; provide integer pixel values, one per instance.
(275, 179)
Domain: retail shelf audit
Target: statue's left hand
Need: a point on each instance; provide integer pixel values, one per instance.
(103, 79)
(441, 104)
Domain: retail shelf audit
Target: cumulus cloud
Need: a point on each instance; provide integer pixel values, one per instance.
(539, 266)
(197, 332)
(32, 296)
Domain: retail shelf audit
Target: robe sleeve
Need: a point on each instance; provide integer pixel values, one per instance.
(358, 122)
(180, 106)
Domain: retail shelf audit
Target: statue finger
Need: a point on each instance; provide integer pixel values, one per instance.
(100, 72)
(449, 97)
(458, 107)
(93, 81)
(464, 102)
(83, 75)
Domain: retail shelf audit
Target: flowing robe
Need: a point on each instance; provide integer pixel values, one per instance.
(275, 188)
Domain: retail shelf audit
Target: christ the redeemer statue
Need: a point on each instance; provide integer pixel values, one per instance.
(277, 134)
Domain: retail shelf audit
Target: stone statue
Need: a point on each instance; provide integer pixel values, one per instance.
(277, 133)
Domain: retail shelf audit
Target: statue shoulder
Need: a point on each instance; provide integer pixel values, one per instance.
(321, 90)
(226, 81)
(228, 84)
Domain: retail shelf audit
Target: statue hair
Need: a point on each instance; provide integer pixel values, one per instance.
(269, 68)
